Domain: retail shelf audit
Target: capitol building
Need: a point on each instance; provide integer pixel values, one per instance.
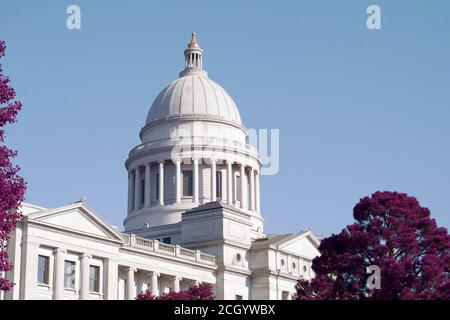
(193, 215)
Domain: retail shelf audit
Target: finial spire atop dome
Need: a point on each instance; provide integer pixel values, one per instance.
(193, 43)
(193, 57)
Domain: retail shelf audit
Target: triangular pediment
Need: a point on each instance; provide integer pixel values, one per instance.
(303, 244)
(77, 217)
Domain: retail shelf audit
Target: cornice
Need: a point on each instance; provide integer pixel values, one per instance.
(148, 149)
(263, 272)
(215, 243)
(189, 118)
(70, 231)
(226, 268)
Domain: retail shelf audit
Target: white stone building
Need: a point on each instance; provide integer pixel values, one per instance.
(193, 214)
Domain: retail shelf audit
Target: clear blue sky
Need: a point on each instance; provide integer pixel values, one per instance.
(358, 110)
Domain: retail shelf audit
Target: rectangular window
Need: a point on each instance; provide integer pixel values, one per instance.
(188, 183)
(142, 191)
(69, 274)
(238, 189)
(219, 184)
(43, 269)
(166, 240)
(239, 297)
(94, 278)
(122, 289)
(248, 195)
(157, 186)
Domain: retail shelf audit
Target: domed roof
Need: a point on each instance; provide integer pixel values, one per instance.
(197, 95)
(194, 94)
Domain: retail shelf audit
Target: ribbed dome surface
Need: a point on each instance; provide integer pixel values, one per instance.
(194, 94)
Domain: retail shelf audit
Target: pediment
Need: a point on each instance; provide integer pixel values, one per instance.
(77, 217)
(304, 244)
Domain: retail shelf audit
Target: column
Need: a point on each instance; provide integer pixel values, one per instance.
(161, 183)
(229, 183)
(155, 286)
(213, 180)
(131, 286)
(137, 188)
(252, 189)
(178, 181)
(195, 177)
(243, 188)
(14, 250)
(111, 278)
(28, 285)
(176, 283)
(257, 192)
(58, 284)
(147, 186)
(130, 191)
(84, 288)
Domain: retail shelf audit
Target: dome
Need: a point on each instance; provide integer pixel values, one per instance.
(194, 95)
(193, 126)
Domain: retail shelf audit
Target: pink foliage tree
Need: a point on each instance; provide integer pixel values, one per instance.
(202, 291)
(393, 232)
(12, 187)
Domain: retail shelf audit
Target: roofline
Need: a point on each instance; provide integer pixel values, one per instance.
(193, 117)
(31, 205)
(309, 234)
(78, 204)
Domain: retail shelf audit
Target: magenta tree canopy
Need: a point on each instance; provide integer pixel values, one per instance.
(392, 231)
(202, 291)
(12, 187)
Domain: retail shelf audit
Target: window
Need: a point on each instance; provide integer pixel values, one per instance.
(94, 278)
(294, 265)
(157, 186)
(239, 297)
(305, 268)
(166, 240)
(43, 269)
(188, 182)
(219, 184)
(238, 257)
(69, 274)
(122, 289)
(282, 262)
(238, 188)
(249, 196)
(142, 191)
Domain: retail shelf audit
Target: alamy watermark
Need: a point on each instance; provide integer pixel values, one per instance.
(205, 142)
(374, 20)
(73, 21)
(374, 280)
